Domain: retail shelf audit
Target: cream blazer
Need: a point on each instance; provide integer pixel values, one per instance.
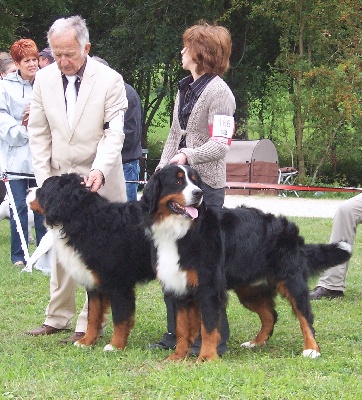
(57, 149)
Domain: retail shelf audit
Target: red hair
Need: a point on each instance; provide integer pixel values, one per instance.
(24, 48)
(209, 46)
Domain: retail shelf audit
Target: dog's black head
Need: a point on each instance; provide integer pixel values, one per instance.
(58, 197)
(175, 189)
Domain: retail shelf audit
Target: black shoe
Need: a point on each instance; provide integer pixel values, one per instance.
(168, 342)
(195, 348)
(320, 292)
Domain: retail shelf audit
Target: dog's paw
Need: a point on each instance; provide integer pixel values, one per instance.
(79, 344)
(109, 347)
(248, 344)
(311, 353)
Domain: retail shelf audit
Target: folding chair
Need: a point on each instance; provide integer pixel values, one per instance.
(287, 176)
(144, 173)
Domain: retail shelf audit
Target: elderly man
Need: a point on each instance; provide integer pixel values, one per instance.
(76, 125)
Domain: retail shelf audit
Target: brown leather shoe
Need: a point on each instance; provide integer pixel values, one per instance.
(320, 292)
(73, 338)
(44, 330)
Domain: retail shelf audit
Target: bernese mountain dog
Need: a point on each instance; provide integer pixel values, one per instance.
(200, 254)
(102, 245)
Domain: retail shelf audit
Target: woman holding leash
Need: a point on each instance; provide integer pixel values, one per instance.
(201, 132)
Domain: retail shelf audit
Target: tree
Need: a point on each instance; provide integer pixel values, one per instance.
(28, 19)
(255, 49)
(297, 60)
(144, 43)
(320, 52)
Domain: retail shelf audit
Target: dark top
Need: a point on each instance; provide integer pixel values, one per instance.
(132, 148)
(190, 91)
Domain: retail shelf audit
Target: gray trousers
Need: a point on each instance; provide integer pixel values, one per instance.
(345, 221)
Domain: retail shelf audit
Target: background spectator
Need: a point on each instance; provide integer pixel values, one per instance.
(15, 95)
(132, 148)
(7, 66)
(45, 57)
(332, 282)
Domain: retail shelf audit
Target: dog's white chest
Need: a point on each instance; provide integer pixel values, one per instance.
(71, 261)
(169, 273)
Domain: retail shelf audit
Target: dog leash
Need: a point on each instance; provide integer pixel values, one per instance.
(276, 186)
(7, 175)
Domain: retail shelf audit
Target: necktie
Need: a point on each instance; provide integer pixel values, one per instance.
(71, 97)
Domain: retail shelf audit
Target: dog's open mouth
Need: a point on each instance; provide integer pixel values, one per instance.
(186, 211)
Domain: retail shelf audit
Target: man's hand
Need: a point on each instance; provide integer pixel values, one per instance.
(95, 180)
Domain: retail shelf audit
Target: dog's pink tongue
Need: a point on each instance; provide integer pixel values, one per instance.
(192, 211)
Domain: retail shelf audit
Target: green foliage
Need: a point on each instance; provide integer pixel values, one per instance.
(144, 43)
(41, 368)
(295, 67)
(29, 19)
(320, 61)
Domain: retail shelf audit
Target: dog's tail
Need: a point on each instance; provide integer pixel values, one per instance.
(323, 256)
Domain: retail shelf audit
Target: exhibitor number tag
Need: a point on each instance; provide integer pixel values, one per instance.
(222, 129)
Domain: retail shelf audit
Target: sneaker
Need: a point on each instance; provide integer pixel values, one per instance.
(18, 264)
(319, 292)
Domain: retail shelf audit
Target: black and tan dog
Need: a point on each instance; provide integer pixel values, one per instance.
(200, 254)
(103, 246)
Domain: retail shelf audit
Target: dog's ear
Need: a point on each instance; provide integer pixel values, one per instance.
(151, 192)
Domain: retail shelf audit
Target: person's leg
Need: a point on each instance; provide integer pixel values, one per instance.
(2, 190)
(40, 229)
(18, 188)
(131, 171)
(81, 325)
(213, 198)
(61, 307)
(345, 222)
(168, 340)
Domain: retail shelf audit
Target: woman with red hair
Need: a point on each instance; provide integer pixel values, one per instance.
(15, 95)
(200, 134)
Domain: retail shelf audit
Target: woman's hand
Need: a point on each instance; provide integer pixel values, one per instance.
(179, 158)
(25, 119)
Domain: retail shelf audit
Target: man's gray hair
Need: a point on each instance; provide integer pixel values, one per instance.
(63, 25)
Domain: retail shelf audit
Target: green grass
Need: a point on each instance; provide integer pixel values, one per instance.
(42, 368)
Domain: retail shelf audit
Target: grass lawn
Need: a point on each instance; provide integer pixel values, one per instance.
(42, 368)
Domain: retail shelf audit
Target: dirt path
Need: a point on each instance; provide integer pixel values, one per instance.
(289, 206)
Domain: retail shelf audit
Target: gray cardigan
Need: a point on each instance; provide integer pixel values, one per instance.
(203, 154)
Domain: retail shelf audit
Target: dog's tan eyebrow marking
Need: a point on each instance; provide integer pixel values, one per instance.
(180, 174)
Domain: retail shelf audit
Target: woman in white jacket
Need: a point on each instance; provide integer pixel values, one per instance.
(15, 158)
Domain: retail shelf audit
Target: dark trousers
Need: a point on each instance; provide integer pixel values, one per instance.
(18, 189)
(171, 321)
